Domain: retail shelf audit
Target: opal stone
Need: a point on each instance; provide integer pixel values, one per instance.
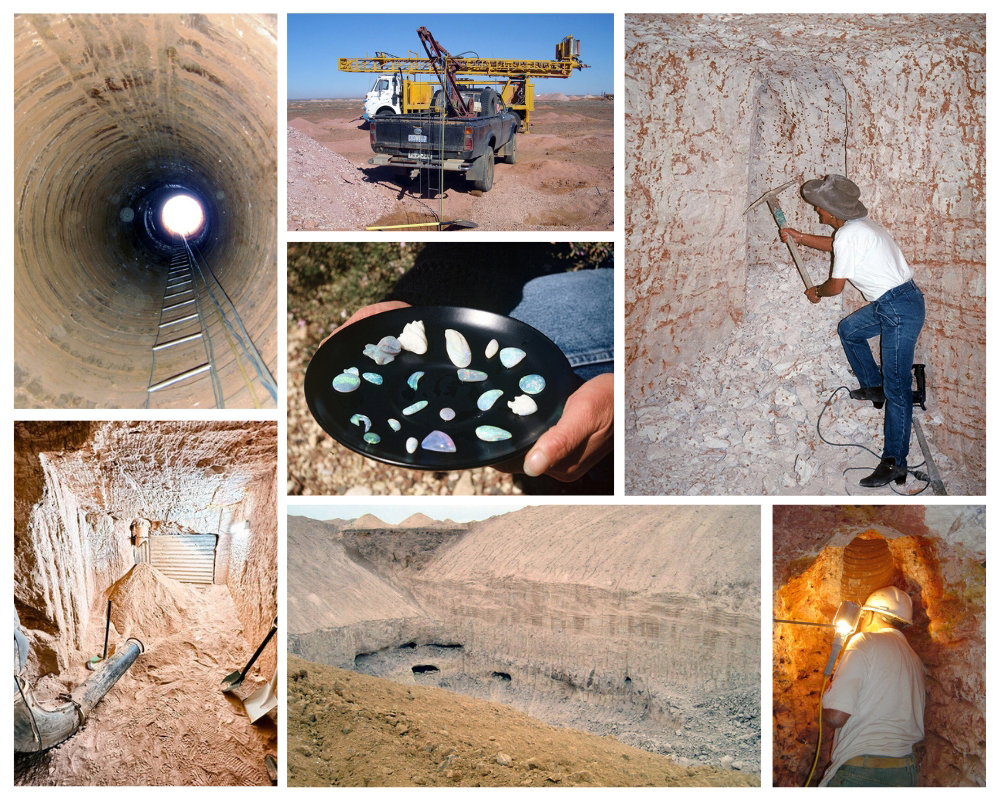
(532, 384)
(511, 356)
(458, 348)
(377, 355)
(373, 377)
(491, 348)
(361, 419)
(415, 407)
(438, 442)
(471, 376)
(372, 438)
(447, 414)
(394, 424)
(414, 379)
(487, 399)
(522, 405)
(413, 337)
(390, 345)
(491, 433)
(346, 382)
(352, 370)
(411, 445)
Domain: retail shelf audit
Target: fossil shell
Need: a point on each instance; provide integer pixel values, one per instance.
(361, 419)
(420, 404)
(491, 348)
(414, 337)
(458, 348)
(491, 433)
(471, 376)
(487, 399)
(522, 405)
(372, 377)
(394, 424)
(511, 356)
(346, 382)
(439, 442)
(414, 379)
(532, 384)
(372, 438)
(411, 445)
(447, 414)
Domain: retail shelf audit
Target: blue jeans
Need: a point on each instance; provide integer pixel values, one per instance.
(898, 316)
(576, 310)
(874, 776)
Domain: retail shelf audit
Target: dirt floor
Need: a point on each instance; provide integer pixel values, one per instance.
(348, 729)
(165, 722)
(563, 178)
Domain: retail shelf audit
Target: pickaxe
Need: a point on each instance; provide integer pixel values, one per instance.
(771, 198)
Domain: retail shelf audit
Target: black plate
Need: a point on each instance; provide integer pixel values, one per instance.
(439, 386)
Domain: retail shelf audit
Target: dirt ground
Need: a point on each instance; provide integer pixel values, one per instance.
(563, 179)
(165, 722)
(348, 729)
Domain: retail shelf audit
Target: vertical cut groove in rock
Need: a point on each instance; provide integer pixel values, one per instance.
(868, 565)
(113, 113)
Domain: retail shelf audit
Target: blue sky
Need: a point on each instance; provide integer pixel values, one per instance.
(396, 512)
(316, 41)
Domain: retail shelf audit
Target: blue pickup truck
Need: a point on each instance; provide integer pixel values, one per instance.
(434, 140)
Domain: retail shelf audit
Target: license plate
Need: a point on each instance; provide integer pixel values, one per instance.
(413, 137)
(417, 156)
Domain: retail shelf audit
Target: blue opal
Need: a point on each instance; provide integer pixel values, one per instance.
(511, 356)
(373, 377)
(471, 376)
(487, 399)
(532, 384)
(361, 419)
(346, 382)
(414, 379)
(438, 442)
(372, 438)
(420, 404)
(491, 433)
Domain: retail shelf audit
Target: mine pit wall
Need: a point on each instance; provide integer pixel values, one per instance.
(392, 549)
(947, 584)
(104, 107)
(714, 118)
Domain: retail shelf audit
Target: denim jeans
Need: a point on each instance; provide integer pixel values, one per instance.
(898, 316)
(874, 776)
(576, 310)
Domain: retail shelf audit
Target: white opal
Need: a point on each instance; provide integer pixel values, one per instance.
(458, 348)
(522, 405)
(491, 348)
(487, 399)
(361, 419)
(411, 445)
(394, 424)
(414, 337)
(511, 356)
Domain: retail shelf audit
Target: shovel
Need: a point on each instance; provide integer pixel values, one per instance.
(263, 700)
(234, 679)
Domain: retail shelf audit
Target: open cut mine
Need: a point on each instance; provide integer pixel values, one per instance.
(937, 556)
(145, 573)
(640, 624)
(728, 365)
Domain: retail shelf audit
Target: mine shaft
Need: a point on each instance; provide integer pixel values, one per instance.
(145, 599)
(115, 116)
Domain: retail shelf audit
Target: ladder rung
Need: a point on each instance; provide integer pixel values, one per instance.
(179, 284)
(180, 340)
(178, 305)
(190, 373)
(178, 321)
(177, 294)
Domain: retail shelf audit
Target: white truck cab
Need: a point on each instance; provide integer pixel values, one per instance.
(385, 97)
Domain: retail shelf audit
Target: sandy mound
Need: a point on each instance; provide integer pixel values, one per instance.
(368, 522)
(310, 129)
(147, 604)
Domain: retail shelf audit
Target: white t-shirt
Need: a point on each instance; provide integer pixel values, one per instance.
(865, 254)
(880, 683)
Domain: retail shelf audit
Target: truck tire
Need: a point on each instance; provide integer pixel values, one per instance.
(489, 102)
(510, 150)
(385, 111)
(485, 183)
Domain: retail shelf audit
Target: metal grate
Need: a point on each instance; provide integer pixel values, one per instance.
(185, 557)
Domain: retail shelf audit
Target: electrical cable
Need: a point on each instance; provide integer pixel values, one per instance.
(911, 470)
(819, 741)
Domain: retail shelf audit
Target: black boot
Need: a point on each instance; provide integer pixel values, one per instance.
(873, 393)
(885, 472)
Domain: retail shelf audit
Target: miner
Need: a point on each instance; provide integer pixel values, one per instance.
(876, 701)
(866, 255)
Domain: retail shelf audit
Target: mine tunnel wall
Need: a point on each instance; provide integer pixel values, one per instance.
(718, 113)
(946, 581)
(107, 108)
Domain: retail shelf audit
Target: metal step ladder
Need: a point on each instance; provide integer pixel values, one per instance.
(182, 336)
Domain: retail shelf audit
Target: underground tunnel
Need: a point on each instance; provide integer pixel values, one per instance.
(145, 573)
(115, 117)
(937, 556)
(728, 365)
(641, 625)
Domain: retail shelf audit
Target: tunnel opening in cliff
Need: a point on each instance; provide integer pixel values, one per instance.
(727, 363)
(642, 623)
(114, 114)
(165, 533)
(935, 555)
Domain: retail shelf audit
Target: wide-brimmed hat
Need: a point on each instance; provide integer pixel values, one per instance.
(836, 194)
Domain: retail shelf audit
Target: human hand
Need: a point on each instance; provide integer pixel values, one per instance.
(813, 294)
(789, 235)
(370, 311)
(582, 436)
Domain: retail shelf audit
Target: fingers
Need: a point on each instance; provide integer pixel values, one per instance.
(369, 311)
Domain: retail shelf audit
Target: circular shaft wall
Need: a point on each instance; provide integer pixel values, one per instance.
(109, 110)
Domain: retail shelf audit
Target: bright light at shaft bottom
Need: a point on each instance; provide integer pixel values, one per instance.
(183, 215)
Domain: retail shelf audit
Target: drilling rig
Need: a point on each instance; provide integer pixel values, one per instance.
(404, 85)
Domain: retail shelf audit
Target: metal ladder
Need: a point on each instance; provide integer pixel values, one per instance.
(182, 328)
